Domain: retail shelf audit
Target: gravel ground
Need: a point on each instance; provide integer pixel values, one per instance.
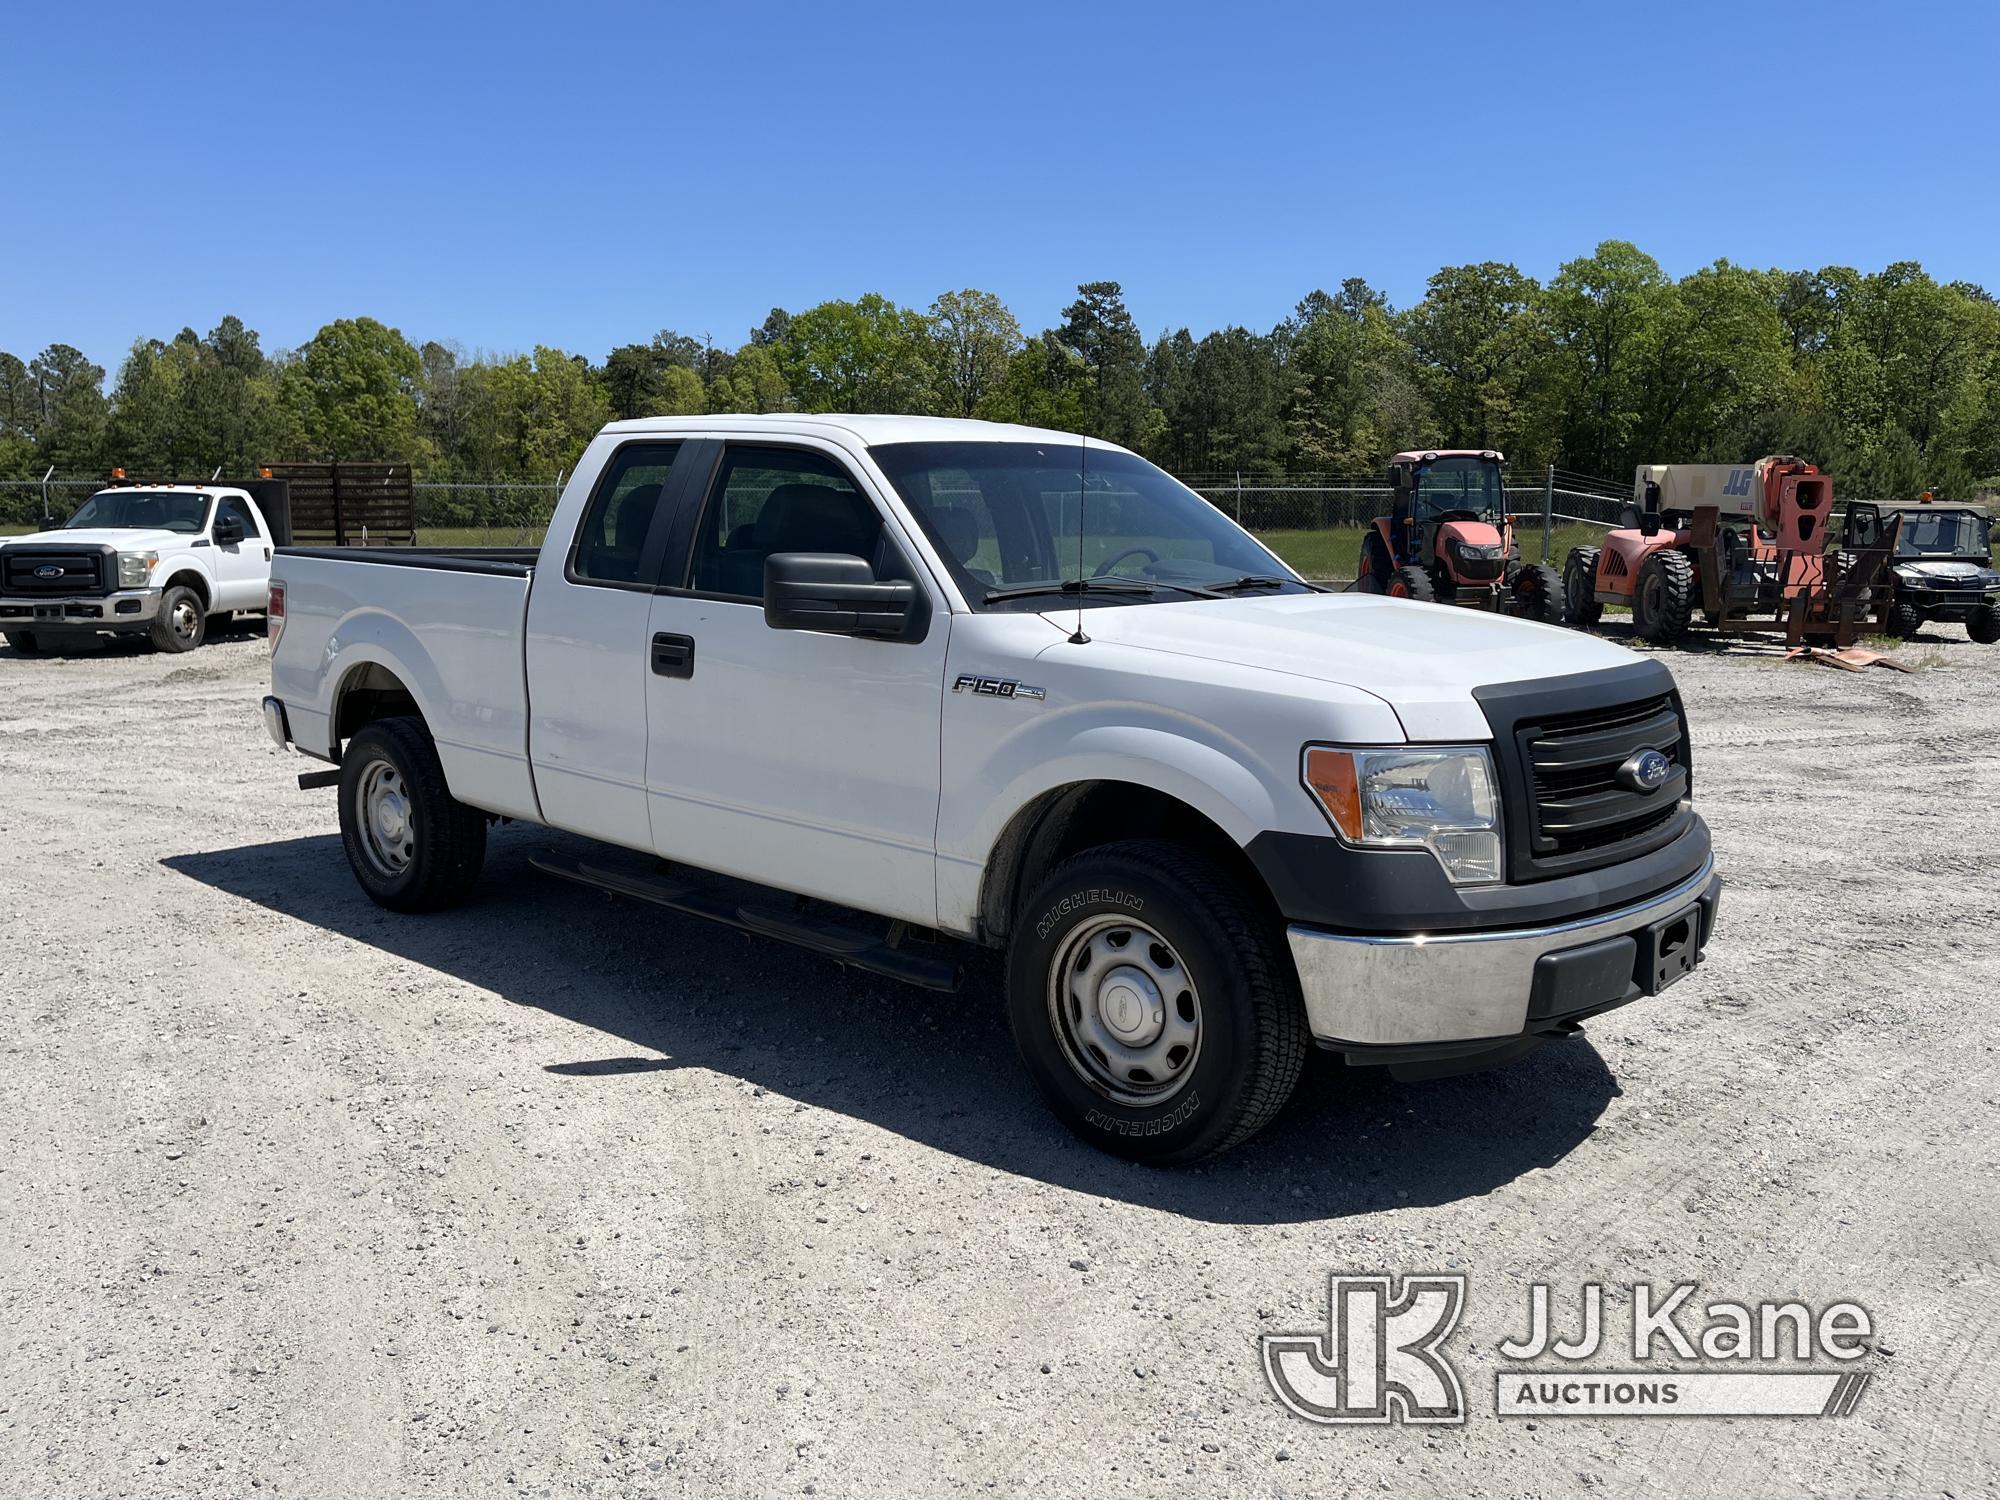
(552, 1195)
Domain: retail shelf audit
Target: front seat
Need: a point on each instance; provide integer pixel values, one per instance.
(958, 532)
(816, 518)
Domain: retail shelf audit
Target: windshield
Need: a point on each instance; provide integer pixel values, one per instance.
(1005, 516)
(150, 510)
(1942, 533)
(1471, 484)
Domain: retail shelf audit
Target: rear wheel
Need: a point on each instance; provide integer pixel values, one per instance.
(412, 845)
(1580, 604)
(1983, 625)
(24, 642)
(182, 623)
(1538, 593)
(1375, 565)
(1153, 1003)
(1663, 602)
(1411, 582)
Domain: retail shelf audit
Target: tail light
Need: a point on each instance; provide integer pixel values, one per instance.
(274, 613)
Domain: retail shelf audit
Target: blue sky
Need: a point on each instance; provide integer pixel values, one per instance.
(584, 175)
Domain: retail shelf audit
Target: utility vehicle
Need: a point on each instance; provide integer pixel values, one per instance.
(1942, 568)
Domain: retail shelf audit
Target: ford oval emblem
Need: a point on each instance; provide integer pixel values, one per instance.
(48, 570)
(1645, 771)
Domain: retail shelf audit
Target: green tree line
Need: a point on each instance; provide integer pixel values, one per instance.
(1889, 379)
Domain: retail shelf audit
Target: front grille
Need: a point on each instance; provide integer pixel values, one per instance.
(1560, 749)
(82, 571)
(1472, 569)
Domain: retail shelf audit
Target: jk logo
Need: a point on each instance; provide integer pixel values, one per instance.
(1377, 1360)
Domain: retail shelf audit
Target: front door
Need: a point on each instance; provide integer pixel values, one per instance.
(242, 568)
(798, 759)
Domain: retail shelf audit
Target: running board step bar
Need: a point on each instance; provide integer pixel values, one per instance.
(847, 945)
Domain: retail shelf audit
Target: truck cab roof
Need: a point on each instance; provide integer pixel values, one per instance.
(872, 430)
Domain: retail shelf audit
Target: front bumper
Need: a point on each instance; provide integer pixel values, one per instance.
(81, 612)
(1947, 604)
(1437, 995)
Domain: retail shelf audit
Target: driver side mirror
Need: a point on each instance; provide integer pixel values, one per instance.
(228, 531)
(839, 593)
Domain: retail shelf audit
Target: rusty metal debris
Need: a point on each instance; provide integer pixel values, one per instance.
(1850, 658)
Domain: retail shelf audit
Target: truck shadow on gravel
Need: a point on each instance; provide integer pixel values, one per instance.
(937, 1069)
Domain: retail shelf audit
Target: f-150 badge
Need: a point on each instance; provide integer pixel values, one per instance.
(997, 687)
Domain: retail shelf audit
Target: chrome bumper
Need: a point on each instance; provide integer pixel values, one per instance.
(1416, 990)
(81, 612)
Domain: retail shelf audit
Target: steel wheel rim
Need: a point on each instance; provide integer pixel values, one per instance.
(1125, 1011)
(383, 816)
(184, 619)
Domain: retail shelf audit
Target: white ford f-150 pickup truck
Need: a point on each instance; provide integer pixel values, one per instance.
(159, 560)
(879, 684)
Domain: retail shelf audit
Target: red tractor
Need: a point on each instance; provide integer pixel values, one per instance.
(1448, 539)
(1744, 543)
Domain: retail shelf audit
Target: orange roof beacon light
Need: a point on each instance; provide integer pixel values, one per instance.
(264, 471)
(1924, 498)
(117, 473)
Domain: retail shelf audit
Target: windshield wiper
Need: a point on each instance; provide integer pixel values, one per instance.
(1136, 588)
(1069, 586)
(1262, 581)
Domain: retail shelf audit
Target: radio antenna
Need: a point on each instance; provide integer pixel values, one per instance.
(1082, 499)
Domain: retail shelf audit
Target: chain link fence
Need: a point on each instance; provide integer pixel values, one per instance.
(1314, 521)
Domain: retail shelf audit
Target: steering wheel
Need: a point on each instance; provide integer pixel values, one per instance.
(1109, 563)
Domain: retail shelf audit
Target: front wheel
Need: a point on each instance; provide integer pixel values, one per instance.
(1983, 625)
(1663, 601)
(412, 845)
(1580, 604)
(1538, 593)
(1905, 620)
(1154, 1004)
(1411, 582)
(182, 623)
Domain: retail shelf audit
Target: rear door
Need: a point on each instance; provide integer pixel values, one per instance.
(586, 657)
(242, 568)
(799, 759)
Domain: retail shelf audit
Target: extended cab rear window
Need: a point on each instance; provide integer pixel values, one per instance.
(612, 539)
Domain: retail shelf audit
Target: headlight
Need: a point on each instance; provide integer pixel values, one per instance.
(1443, 800)
(135, 569)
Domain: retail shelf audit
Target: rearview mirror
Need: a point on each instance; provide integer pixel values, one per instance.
(838, 593)
(228, 531)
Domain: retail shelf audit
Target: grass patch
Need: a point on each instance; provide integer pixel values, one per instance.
(1332, 553)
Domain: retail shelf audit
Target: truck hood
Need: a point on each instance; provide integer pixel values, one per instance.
(1943, 568)
(124, 538)
(1423, 660)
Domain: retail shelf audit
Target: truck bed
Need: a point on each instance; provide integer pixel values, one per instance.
(446, 624)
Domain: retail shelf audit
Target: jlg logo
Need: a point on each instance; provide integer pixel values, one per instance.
(1739, 481)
